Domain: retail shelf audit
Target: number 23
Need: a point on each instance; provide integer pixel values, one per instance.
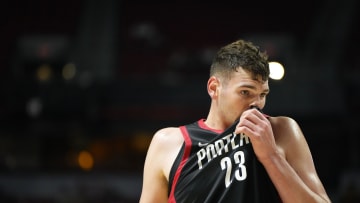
(240, 172)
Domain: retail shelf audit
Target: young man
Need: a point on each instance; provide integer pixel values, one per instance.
(236, 154)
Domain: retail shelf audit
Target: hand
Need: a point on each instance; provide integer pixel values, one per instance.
(258, 128)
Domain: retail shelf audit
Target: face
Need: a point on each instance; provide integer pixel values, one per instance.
(238, 94)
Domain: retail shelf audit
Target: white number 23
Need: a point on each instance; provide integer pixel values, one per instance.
(240, 172)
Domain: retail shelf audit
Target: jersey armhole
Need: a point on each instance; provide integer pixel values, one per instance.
(179, 163)
(175, 166)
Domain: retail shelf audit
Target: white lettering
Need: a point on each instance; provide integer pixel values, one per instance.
(210, 152)
(201, 155)
(219, 145)
(242, 137)
(227, 143)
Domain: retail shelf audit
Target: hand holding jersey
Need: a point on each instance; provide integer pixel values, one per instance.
(257, 127)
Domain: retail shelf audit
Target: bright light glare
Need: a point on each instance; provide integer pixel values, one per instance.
(277, 70)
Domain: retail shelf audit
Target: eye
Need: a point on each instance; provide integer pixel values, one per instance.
(244, 92)
(263, 95)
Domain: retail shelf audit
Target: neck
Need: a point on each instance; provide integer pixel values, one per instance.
(216, 122)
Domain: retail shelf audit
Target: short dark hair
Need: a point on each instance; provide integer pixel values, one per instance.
(242, 54)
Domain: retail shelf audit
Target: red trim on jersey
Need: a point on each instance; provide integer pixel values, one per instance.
(202, 125)
(182, 163)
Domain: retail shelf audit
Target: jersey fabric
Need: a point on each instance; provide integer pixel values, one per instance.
(214, 166)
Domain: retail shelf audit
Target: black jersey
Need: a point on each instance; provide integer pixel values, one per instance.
(214, 167)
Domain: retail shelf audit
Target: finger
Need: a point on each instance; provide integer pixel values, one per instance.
(252, 122)
(245, 130)
(247, 125)
(253, 115)
(258, 113)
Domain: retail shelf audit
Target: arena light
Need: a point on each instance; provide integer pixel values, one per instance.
(44, 72)
(85, 160)
(277, 70)
(69, 71)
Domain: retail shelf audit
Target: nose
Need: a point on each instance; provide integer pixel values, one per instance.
(255, 104)
(258, 103)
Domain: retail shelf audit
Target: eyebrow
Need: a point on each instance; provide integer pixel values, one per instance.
(253, 87)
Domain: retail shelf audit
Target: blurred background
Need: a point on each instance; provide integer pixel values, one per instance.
(85, 84)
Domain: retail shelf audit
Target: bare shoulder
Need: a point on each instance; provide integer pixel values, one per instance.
(286, 130)
(168, 137)
(164, 148)
(282, 121)
(161, 154)
(164, 144)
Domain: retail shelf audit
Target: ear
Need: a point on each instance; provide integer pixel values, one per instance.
(212, 86)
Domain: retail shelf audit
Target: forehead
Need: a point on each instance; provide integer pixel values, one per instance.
(246, 78)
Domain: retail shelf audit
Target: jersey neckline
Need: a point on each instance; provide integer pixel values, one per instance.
(202, 125)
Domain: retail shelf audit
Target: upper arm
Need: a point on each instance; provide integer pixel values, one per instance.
(157, 163)
(298, 155)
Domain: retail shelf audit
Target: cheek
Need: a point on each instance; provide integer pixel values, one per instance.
(235, 103)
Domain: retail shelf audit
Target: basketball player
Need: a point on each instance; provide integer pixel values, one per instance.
(237, 154)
